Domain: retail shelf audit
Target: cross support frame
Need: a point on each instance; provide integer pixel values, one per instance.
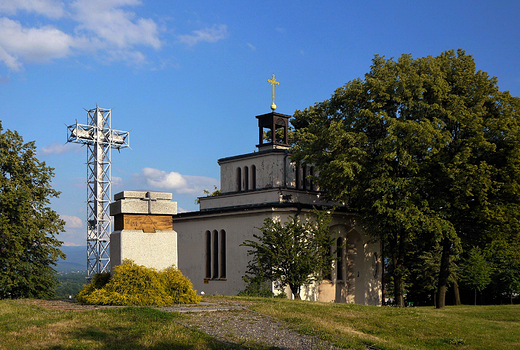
(100, 139)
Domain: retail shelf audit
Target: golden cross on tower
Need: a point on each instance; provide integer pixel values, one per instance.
(274, 83)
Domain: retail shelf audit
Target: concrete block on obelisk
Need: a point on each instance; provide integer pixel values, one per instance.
(143, 229)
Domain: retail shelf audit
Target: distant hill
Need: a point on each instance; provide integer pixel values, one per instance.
(76, 259)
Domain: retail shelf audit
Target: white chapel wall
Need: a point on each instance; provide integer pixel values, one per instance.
(360, 286)
(239, 226)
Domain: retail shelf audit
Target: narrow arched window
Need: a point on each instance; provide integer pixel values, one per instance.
(253, 177)
(208, 254)
(239, 180)
(328, 274)
(339, 261)
(298, 177)
(222, 254)
(215, 257)
(215, 254)
(246, 178)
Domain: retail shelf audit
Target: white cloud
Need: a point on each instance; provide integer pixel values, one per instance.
(9, 60)
(131, 56)
(75, 232)
(182, 210)
(72, 244)
(73, 236)
(106, 29)
(31, 44)
(72, 221)
(100, 26)
(251, 46)
(49, 8)
(210, 35)
(115, 26)
(197, 184)
(164, 180)
(59, 148)
(174, 181)
(117, 181)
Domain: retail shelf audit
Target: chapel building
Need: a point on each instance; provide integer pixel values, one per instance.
(267, 184)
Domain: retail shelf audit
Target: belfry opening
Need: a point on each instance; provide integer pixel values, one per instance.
(273, 130)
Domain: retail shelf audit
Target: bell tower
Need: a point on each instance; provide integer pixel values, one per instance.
(277, 126)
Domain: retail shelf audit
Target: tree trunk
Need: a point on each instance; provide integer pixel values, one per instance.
(396, 250)
(398, 290)
(295, 291)
(444, 273)
(475, 297)
(456, 293)
(398, 262)
(441, 297)
(383, 283)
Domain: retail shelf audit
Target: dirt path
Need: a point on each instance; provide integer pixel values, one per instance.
(245, 327)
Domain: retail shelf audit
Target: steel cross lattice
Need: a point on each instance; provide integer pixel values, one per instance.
(100, 138)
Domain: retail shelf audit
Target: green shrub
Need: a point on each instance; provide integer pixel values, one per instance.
(281, 295)
(256, 287)
(98, 281)
(137, 285)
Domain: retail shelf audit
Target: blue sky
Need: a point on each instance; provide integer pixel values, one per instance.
(187, 78)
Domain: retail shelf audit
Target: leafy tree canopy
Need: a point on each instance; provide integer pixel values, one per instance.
(422, 149)
(28, 227)
(505, 259)
(292, 254)
(475, 271)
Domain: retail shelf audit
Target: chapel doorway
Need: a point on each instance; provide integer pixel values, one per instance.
(339, 285)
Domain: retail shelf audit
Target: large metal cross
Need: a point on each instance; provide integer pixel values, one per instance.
(100, 138)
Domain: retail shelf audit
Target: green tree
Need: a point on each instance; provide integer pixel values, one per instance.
(293, 253)
(421, 148)
(28, 227)
(216, 192)
(425, 272)
(505, 257)
(475, 271)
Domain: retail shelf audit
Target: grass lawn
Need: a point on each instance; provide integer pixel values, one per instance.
(25, 326)
(455, 327)
(30, 327)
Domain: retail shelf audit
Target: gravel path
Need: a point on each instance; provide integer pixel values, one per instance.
(245, 327)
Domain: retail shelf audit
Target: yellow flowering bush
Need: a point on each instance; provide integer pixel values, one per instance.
(137, 285)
